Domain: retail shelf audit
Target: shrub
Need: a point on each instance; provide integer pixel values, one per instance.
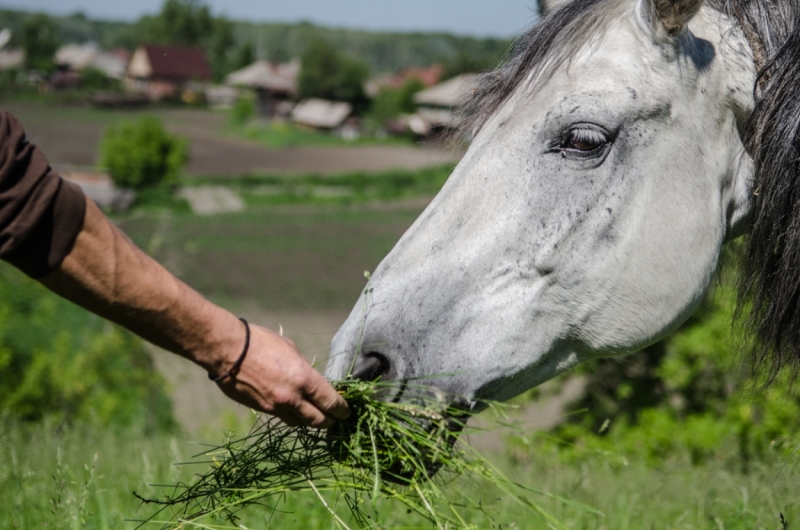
(94, 79)
(62, 363)
(688, 395)
(243, 110)
(391, 103)
(143, 154)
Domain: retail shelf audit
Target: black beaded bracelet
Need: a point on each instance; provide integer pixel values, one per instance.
(238, 364)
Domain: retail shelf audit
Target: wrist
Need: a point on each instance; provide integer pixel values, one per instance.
(237, 364)
(221, 343)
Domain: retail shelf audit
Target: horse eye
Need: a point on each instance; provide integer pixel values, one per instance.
(584, 140)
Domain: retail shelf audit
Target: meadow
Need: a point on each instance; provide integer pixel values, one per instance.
(308, 257)
(84, 477)
(300, 248)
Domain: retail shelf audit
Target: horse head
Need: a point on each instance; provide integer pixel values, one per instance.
(606, 171)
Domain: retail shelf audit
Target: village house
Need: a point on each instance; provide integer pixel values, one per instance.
(72, 60)
(79, 57)
(427, 76)
(333, 116)
(275, 85)
(437, 105)
(9, 59)
(166, 71)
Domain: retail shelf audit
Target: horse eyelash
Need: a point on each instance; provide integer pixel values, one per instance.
(586, 135)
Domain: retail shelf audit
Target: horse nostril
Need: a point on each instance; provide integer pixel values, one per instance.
(371, 367)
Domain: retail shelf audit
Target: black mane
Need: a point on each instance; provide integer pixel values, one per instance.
(770, 278)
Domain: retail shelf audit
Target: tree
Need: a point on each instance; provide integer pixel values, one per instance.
(219, 47)
(183, 23)
(327, 74)
(189, 23)
(244, 56)
(466, 63)
(40, 41)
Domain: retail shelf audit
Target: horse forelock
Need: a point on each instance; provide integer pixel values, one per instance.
(550, 42)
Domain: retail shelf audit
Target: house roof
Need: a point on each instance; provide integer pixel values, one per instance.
(171, 62)
(428, 76)
(322, 113)
(77, 56)
(11, 59)
(447, 94)
(277, 77)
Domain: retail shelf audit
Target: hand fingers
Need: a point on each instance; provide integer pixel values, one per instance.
(320, 392)
(310, 415)
(289, 418)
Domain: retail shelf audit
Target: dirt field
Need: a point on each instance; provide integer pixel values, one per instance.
(69, 137)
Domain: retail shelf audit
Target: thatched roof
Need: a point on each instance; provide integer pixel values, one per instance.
(447, 94)
(275, 77)
(321, 113)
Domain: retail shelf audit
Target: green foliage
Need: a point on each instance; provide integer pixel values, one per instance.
(391, 103)
(280, 135)
(466, 63)
(142, 154)
(243, 110)
(40, 40)
(180, 22)
(341, 188)
(94, 79)
(220, 45)
(245, 56)
(190, 23)
(53, 478)
(687, 395)
(62, 363)
(327, 74)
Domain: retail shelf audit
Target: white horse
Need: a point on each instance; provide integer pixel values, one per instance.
(616, 151)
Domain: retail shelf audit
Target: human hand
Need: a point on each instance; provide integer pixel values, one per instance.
(275, 378)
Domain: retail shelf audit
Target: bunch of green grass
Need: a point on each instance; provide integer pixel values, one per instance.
(386, 451)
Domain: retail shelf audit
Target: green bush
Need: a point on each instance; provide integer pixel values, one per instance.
(142, 154)
(243, 110)
(689, 395)
(391, 103)
(94, 79)
(62, 363)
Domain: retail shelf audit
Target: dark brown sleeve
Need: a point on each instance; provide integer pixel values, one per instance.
(41, 214)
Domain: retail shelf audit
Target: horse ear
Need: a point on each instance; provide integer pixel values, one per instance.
(545, 7)
(672, 15)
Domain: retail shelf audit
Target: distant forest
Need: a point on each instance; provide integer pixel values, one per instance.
(382, 52)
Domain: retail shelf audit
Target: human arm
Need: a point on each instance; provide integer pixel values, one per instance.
(108, 275)
(52, 233)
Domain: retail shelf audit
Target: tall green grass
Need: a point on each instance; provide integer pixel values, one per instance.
(398, 455)
(84, 478)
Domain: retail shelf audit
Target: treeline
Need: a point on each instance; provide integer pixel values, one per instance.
(234, 41)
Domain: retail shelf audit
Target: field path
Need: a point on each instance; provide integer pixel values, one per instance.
(69, 137)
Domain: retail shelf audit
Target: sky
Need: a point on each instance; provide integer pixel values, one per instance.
(484, 18)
